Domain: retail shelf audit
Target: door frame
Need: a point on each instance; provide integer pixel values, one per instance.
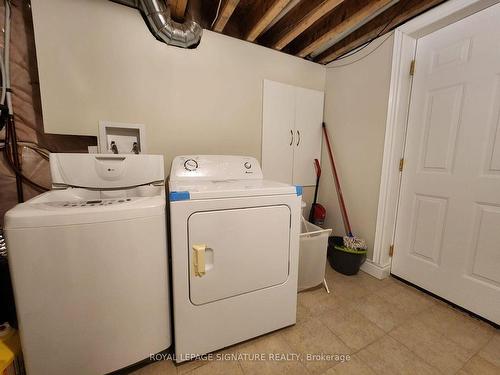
(405, 42)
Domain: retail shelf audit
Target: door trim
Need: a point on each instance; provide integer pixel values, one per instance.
(405, 41)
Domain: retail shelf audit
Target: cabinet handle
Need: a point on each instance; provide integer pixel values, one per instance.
(298, 136)
(291, 139)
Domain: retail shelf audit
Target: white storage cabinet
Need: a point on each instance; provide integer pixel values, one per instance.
(291, 132)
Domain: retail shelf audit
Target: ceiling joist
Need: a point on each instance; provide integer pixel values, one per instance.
(264, 12)
(348, 25)
(178, 8)
(319, 30)
(227, 9)
(386, 21)
(297, 20)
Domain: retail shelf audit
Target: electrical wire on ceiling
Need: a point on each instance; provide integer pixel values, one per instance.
(11, 144)
(216, 15)
(359, 49)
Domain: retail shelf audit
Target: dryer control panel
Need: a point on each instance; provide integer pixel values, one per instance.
(215, 168)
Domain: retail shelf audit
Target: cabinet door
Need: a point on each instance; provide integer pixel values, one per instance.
(278, 131)
(307, 141)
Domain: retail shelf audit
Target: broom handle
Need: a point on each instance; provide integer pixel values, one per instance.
(343, 210)
(318, 175)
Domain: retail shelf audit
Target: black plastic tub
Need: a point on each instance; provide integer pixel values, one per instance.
(344, 260)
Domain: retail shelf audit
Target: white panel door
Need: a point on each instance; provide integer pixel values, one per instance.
(246, 250)
(448, 226)
(278, 131)
(308, 119)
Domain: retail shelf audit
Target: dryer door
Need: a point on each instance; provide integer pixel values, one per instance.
(232, 252)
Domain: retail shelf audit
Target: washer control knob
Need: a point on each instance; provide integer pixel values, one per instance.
(247, 165)
(191, 165)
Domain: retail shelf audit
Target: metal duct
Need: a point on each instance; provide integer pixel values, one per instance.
(157, 16)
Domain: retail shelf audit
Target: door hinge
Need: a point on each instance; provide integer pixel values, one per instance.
(412, 68)
(391, 250)
(401, 164)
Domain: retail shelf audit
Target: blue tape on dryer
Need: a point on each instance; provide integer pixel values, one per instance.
(179, 196)
(298, 190)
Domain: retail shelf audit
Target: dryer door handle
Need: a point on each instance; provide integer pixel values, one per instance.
(199, 259)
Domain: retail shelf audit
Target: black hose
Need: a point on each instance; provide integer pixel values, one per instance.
(17, 163)
(11, 148)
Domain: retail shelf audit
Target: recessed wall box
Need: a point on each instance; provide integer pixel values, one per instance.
(121, 138)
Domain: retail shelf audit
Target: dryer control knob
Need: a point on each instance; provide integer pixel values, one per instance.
(191, 165)
(247, 165)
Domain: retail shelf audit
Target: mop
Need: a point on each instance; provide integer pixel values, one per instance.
(350, 241)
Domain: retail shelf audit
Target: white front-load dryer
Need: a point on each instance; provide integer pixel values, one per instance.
(89, 265)
(234, 245)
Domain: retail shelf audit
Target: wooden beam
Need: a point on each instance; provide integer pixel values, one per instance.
(263, 13)
(227, 9)
(178, 8)
(388, 20)
(350, 23)
(300, 18)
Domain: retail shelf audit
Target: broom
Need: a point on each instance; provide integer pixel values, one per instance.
(350, 241)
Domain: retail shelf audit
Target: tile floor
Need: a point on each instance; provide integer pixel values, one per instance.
(385, 326)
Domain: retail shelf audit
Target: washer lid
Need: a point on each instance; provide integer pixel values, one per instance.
(190, 190)
(81, 206)
(105, 171)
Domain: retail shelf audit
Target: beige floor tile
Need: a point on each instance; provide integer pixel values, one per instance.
(355, 366)
(479, 366)
(424, 336)
(389, 280)
(460, 328)
(387, 356)
(274, 344)
(189, 366)
(370, 283)
(491, 351)
(330, 273)
(303, 313)
(317, 301)
(351, 327)
(350, 287)
(218, 368)
(157, 368)
(185, 367)
(313, 337)
(384, 314)
(431, 346)
(407, 298)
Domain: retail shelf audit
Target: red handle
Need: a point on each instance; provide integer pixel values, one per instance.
(318, 168)
(343, 210)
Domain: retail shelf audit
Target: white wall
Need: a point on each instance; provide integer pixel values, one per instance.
(357, 92)
(98, 61)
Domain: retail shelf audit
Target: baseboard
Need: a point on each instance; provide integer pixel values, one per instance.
(375, 270)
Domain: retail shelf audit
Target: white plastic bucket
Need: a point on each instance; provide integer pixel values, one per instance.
(312, 255)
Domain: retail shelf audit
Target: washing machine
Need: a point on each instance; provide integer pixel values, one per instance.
(234, 245)
(89, 267)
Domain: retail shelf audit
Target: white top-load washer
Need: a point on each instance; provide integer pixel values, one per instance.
(89, 265)
(234, 244)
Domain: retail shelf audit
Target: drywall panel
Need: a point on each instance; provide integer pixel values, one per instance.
(97, 60)
(357, 92)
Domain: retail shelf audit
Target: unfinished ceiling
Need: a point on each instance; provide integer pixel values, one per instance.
(318, 30)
